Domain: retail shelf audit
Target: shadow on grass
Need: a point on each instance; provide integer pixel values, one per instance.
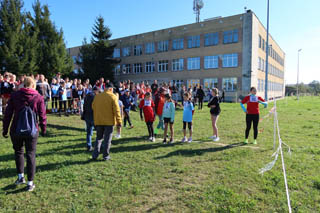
(61, 127)
(11, 172)
(196, 152)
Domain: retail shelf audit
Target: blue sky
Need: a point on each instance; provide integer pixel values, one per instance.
(294, 24)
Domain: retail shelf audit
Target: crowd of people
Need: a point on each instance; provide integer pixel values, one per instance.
(104, 106)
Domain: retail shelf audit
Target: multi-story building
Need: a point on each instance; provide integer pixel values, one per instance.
(227, 53)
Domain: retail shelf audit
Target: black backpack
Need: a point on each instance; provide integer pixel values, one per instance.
(27, 121)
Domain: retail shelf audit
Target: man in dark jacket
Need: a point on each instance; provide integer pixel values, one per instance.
(87, 116)
(18, 100)
(200, 95)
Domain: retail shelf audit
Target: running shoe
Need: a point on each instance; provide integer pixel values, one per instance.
(213, 137)
(20, 181)
(216, 139)
(30, 188)
(246, 141)
(190, 140)
(255, 142)
(184, 139)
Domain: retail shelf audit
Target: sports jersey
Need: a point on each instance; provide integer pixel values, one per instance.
(147, 107)
(252, 102)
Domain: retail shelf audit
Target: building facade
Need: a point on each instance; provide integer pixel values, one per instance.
(227, 53)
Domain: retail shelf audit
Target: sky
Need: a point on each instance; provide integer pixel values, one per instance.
(294, 24)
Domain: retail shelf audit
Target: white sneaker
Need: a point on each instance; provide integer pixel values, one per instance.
(216, 139)
(153, 139)
(150, 139)
(184, 139)
(52, 110)
(213, 137)
(118, 136)
(190, 140)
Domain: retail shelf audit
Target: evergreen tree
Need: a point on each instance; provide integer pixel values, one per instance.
(97, 58)
(17, 42)
(52, 56)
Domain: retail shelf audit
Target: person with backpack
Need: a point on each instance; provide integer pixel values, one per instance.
(24, 107)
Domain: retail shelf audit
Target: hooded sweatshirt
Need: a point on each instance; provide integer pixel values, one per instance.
(17, 102)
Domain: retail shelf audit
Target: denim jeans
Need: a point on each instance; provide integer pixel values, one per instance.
(90, 126)
(160, 124)
(104, 133)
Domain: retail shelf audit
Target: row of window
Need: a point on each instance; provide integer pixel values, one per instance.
(272, 69)
(228, 84)
(272, 52)
(272, 86)
(210, 62)
(210, 39)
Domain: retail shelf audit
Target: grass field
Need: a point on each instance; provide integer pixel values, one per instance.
(203, 176)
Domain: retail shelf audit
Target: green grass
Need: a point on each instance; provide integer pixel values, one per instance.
(199, 177)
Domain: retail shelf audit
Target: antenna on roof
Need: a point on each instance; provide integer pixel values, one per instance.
(197, 6)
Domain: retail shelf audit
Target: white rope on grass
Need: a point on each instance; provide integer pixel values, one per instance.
(270, 165)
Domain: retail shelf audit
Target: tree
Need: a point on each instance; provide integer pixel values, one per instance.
(17, 42)
(96, 58)
(315, 87)
(52, 56)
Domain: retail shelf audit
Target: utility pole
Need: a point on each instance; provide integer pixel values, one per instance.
(267, 57)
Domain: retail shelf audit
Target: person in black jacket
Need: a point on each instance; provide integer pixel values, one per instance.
(87, 116)
(215, 110)
(200, 96)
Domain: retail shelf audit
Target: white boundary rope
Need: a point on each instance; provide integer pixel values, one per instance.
(270, 165)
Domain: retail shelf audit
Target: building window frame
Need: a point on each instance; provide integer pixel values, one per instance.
(163, 66)
(163, 46)
(194, 63)
(194, 41)
(177, 64)
(149, 67)
(230, 84)
(211, 39)
(211, 62)
(230, 60)
(231, 36)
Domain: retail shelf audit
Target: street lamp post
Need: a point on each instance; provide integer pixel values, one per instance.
(267, 58)
(298, 75)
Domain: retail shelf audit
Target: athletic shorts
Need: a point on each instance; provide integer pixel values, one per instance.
(185, 125)
(167, 120)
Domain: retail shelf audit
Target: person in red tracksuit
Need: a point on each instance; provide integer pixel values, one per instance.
(252, 112)
(147, 107)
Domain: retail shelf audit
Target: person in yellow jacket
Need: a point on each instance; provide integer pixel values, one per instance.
(106, 114)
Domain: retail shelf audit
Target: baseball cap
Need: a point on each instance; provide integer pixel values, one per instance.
(110, 85)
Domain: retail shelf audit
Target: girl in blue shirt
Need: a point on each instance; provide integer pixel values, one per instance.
(188, 110)
(168, 117)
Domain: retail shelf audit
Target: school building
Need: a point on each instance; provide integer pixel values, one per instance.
(228, 53)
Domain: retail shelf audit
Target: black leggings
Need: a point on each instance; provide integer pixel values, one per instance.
(55, 102)
(200, 101)
(249, 119)
(150, 128)
(127, 118)
(64, 106)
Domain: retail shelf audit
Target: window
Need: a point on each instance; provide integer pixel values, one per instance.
(178, 83)
(126, 51)
(193, 82)
(263, 67)
(211, 39)
(259, 63)
(260, 41)
(116, 53)
(163, 66)
(210, 83)
(126, 69)
(231, 36)
(149, 48)
(194, 41)
(177, 44)
(194, 63)
(230, 60)
(229, 84)
(137, 68)
(137, 50)
(263, 44)
(163, 46)
(177, 64)
(74, 58)
(117, 70)
(150, 67)
(211, 62)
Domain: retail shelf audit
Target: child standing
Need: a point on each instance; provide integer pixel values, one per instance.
(63, 98)
(147, 107)
(215, 110)
(252, 112)
(188, 110)
(168, 117)
(127, 101)
(118, 135)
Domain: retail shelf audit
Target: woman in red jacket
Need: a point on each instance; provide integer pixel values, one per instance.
(252, 112)
(17, 102)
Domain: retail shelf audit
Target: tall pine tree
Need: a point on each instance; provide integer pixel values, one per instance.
(97, 57)
(17, 42)
(52, 56)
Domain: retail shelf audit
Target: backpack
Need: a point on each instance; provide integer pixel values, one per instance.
(27, 121)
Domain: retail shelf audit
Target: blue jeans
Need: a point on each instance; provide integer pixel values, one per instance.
(90, 126)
